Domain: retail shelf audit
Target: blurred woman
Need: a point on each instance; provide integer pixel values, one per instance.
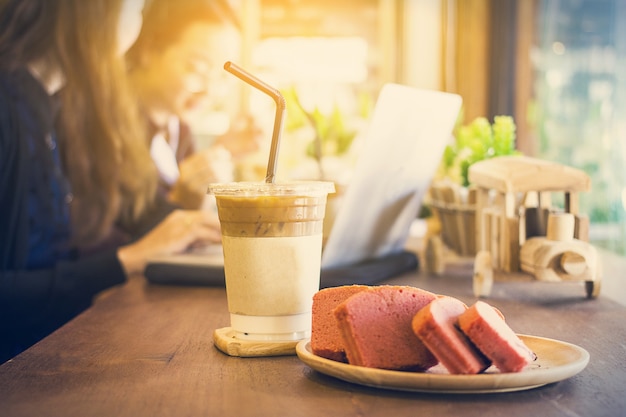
(78, 212)
(176, 67)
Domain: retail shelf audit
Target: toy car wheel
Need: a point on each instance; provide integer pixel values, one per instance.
(483, 274)
(592, 289)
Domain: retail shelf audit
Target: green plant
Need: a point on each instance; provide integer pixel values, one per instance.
(335, 138)
(476, 141)
(333, 135)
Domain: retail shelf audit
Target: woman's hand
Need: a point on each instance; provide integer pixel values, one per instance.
(244, 137)
(179, 231)
(197, 172)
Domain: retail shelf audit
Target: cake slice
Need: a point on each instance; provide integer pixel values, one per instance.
(375, 326)
(435, 325)
(325, 337)
(486, 328)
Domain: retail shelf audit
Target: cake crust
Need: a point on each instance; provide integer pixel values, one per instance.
(326, 339)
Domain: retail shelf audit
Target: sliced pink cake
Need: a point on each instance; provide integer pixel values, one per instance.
(325, 336)
(376, 328)
(435, 325)
(485, 327)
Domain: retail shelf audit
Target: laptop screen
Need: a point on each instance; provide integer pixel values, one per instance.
(404, 143)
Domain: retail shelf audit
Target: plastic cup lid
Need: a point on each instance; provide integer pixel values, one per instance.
(247, 189)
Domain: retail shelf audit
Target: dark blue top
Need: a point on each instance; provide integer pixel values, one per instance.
(34, 161)
(43, 280)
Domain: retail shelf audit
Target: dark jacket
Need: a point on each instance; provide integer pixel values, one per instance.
(44, 281)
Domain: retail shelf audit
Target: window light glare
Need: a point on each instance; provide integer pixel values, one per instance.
(339, 59)
(558, 48)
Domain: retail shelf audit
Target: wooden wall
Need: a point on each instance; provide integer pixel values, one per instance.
(486, 59)
(470, 76)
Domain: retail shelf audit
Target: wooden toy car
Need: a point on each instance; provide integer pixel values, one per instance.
(518, 229)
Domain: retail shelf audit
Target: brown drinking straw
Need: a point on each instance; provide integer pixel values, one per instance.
(278, 120)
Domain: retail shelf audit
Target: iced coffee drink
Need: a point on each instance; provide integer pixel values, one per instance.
(272, 239)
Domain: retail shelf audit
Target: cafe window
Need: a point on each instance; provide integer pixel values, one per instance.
(579, 105)
(321, 47)
(329, 58)
(558, 67)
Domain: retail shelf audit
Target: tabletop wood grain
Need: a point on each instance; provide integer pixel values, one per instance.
(147, 350)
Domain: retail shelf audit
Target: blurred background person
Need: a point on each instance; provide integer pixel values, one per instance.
(176, 68)
(78, 211)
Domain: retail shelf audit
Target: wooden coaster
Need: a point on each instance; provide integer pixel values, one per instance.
(226, 341)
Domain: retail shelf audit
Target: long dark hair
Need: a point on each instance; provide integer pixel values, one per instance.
(103, 144)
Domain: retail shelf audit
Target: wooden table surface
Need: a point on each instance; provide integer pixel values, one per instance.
(147, 350)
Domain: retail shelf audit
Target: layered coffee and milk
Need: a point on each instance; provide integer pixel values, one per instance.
(272, 239)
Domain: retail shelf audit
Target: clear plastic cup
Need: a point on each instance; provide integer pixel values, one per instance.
(272, 239)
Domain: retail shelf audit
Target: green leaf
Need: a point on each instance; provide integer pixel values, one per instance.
(480, 140)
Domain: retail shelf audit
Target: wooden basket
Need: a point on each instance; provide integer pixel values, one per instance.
(455, 206)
